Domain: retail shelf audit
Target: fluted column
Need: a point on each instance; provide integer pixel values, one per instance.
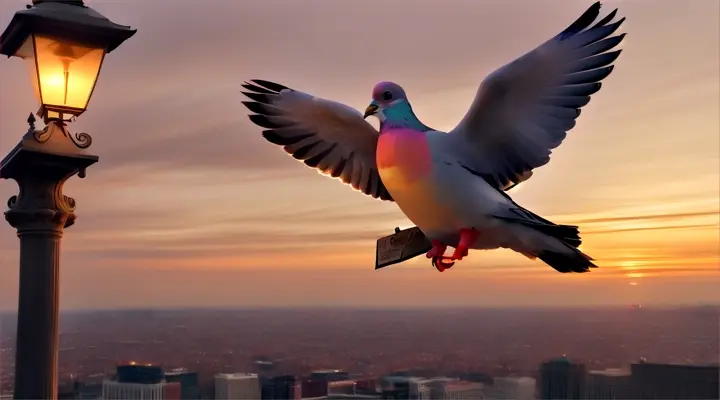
(40, 164)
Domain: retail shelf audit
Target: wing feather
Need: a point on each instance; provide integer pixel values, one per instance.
(524, 109)
(328, 136)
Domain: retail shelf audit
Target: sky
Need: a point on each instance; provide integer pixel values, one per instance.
(189, 206)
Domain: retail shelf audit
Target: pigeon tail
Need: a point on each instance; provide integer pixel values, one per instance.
(568, 261)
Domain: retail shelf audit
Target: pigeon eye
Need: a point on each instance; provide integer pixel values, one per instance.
(387, 96)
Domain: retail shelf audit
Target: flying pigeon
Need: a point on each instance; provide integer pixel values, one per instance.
(453, 185)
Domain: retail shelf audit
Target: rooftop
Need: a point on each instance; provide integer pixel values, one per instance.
(177, 371)
(460, 385)
(234, 376)
(518, 379)
(341, 383)
(611, 372)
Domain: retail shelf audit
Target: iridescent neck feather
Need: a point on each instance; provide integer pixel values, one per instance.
(401, 115)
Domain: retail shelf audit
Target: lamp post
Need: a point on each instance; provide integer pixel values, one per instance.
(64, 43)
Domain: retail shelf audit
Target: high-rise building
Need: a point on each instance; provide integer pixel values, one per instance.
(284, 387)
(561, 379)
(114, 390)
(135, 373)
(511, 388)
(608, 384)
(189, 387)
(140, 382)
(237, 387)
(666, 381)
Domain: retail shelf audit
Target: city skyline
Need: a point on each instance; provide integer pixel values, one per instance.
(190, 207)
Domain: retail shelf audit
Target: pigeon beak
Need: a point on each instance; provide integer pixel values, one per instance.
(370, 110)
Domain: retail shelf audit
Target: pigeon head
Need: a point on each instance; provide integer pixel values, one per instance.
(385, 95)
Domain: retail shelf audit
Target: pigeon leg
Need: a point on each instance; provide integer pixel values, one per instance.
(437, 254)
(438, 249)
(467, 239)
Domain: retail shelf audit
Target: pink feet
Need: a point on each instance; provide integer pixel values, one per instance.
(439, 260)
(467, 239)
(437, 254)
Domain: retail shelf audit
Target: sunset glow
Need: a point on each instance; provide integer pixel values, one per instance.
(190, 206)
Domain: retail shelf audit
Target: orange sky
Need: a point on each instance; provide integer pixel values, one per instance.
(190, 206)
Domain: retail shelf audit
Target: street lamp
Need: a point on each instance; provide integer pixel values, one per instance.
(64, 43)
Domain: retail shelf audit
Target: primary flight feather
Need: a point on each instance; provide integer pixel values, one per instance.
(452, 184)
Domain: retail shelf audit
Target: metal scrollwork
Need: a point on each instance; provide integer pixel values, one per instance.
(81, 140)
(70, 202)
(64, 203)
(12, 201)
(42, 136)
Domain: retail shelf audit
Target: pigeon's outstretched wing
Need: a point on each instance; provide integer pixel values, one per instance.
(329, 136)
(524, 109)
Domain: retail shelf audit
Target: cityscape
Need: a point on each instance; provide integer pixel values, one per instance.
(611, 353)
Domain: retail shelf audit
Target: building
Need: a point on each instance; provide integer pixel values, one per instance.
(237, 386)
(284, 387)
(451, 388)
(135, 373)
(667, 381)
(322, 382)
(189, 386)
(608, 384)
(330, 375)
(311, 388)
(264, 367)
(340, 387)
(511, 388)
(461, 390)
(91, 387)
(114, 390)
(561, 379)
(410, 387)
(140, 382)
(366, 385)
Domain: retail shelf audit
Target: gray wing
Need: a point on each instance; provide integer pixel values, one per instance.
(524, 109)
(328, 136)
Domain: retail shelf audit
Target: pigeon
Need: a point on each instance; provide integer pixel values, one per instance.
(453, 185)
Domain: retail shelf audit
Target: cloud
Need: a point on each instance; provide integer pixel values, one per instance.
(650, 228)
(650, 217)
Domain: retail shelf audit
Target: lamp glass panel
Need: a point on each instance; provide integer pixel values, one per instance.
(27, 53)
(66, 72)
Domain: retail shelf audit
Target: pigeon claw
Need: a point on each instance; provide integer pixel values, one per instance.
(438, 249)
(442, 262)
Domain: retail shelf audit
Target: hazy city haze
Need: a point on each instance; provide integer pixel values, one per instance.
(189, 206)
(371, 343)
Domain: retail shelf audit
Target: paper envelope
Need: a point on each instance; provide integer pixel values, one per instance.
(401, 246)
